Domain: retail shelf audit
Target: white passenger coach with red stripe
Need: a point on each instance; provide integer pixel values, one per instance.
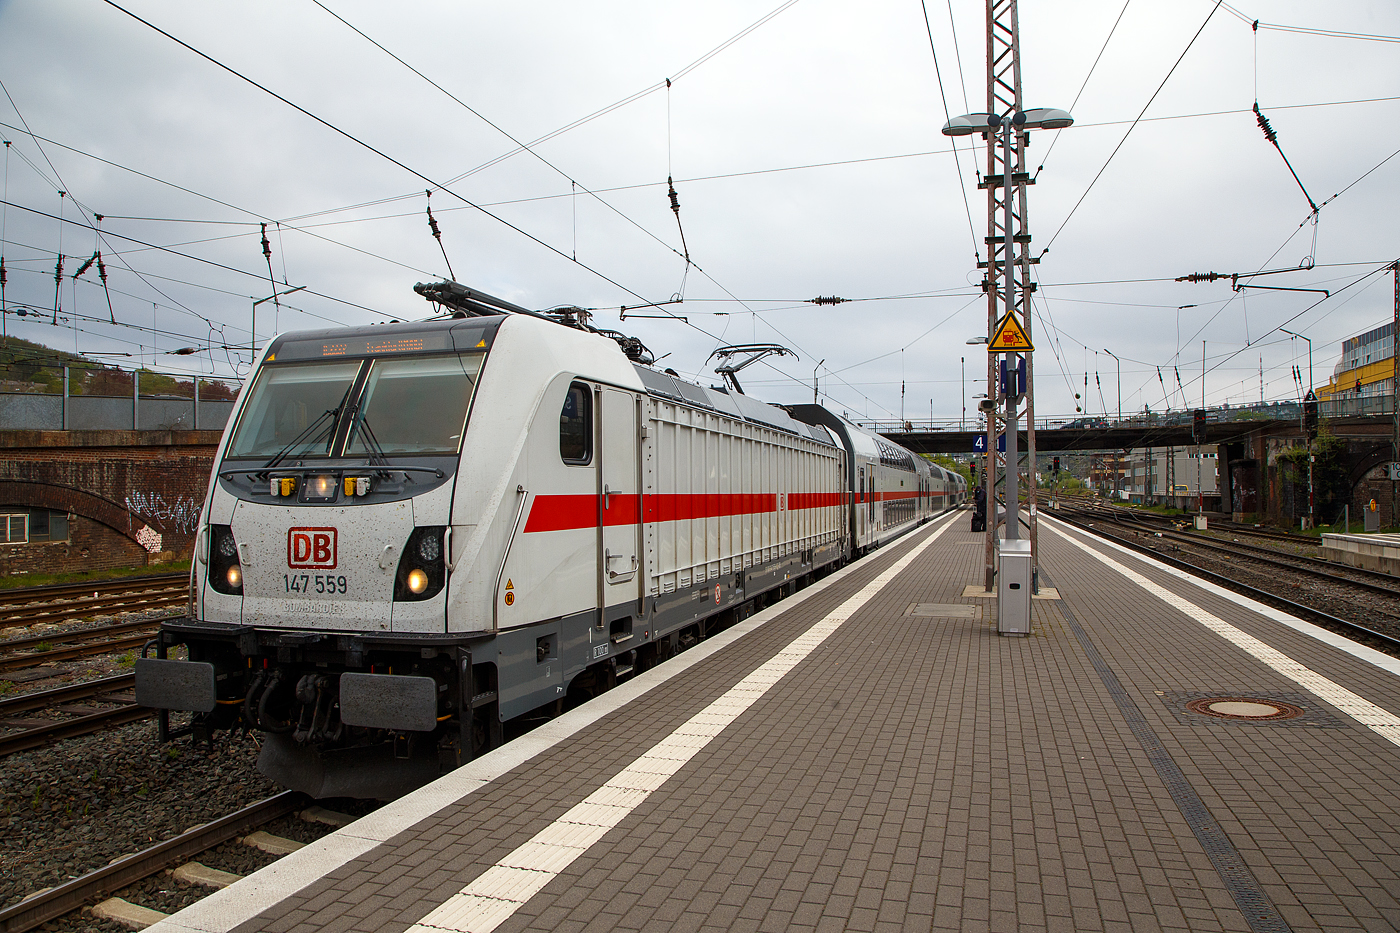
(418, 532)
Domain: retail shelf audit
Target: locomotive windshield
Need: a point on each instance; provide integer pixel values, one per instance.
(294, 408)
(414, 406)
(405, 405)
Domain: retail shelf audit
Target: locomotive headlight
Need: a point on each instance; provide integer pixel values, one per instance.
(225, 572)
(321, 487)
(422, 571)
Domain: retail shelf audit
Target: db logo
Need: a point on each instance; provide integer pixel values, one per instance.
(311, 548)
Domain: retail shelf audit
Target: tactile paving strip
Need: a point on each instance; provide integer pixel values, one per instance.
(1250, 897)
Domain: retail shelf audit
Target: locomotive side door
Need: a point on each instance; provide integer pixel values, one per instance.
(619, 500)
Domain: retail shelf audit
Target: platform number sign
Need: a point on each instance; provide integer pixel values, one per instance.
(979, 444)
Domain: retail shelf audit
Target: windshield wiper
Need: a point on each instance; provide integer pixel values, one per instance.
(331, 413)
(376, 452)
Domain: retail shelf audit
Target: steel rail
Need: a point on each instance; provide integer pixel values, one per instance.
(16, 662)
(1298, 609)
(1237, 527)
(1314, 566)
(31, 594)
(76, 635)
(70, 896)
(43, 699)
(40, 736)
(67, 612)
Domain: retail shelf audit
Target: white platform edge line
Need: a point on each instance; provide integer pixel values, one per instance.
(1385, 662)
(238, 903)
(1375, 718)
(485, 915)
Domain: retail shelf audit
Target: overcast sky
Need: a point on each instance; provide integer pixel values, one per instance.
(806, 155)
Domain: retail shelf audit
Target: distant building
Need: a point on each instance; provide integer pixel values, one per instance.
(1170, 472)
(1366, 369)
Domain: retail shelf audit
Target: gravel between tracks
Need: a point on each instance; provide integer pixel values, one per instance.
(1372, 610)
(76, 806)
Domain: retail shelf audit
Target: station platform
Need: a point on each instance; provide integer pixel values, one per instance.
(1367, 551)
(870, 755)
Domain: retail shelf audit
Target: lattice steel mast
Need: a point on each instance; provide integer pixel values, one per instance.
(1004, 99)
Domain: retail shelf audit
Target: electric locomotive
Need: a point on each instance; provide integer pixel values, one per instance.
(417, 532)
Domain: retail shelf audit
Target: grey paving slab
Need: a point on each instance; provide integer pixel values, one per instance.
(918, 772)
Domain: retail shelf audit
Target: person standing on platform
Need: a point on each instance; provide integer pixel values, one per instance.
(979, 510)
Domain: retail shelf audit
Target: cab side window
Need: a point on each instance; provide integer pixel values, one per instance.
(576, 426)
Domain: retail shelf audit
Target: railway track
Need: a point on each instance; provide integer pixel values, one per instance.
(19, 653)
(110, 879)
(1383, 641)
(45, 609)
(38, 734)
(1382, 584)
(61, 591)
(1216, 523)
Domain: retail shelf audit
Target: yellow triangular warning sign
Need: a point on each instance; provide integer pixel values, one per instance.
(482, 343)
(1009, 336)
(510, 585)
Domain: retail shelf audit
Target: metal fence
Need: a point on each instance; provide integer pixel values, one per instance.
(1356, 407)
(134, 412)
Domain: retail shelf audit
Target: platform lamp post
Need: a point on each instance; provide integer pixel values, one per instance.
(1013, 614)
(253, 326)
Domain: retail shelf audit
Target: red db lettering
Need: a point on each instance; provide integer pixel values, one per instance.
(311, 548)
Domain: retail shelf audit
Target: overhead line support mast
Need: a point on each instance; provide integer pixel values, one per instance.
(1007, 226)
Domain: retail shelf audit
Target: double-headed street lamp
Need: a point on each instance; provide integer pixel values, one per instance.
(990, 125)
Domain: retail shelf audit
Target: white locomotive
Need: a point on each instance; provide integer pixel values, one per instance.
(417, 532)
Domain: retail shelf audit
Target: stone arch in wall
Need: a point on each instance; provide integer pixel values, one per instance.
(1365, 463)
(67, 499)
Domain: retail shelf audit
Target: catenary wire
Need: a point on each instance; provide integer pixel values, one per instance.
(1074, 103)
(948, 117)
(379, 152)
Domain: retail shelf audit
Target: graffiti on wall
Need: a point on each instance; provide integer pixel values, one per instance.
(149, 539)
(182, 515)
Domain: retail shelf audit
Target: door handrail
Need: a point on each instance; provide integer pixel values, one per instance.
(515, 526)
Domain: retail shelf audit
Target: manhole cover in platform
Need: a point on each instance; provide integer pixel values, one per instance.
(1251, 708)
(942, 610)
(1288, 709)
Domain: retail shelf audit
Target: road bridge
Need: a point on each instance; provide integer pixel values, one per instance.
(1261, 476)
(1109, 437)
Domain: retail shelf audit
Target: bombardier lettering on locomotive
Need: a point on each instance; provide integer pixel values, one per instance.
(417, 532)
